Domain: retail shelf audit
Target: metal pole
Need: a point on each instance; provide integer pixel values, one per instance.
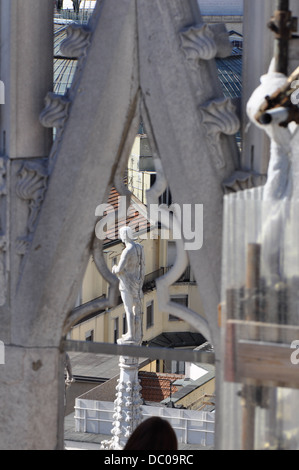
(283, 5)
(250, 388)
(283, 20)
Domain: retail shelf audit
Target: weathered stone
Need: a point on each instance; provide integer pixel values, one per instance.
(32, 394)
(26, 66)
(134, 61)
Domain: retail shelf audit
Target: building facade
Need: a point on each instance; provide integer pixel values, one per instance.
(109, 324)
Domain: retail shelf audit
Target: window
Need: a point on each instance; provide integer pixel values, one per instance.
(116, 330)
(178, 367)
(89, 335)
(125, 325)
(166, 197)
(79, 299)
(171, 253)
(150, 314)
(180, 299)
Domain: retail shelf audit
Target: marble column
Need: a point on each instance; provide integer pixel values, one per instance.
(127, 405)
(31, 390)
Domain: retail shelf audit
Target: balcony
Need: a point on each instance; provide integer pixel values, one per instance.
(149, 284)
(150, 279)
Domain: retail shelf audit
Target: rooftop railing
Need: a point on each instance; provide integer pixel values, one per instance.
(150, 279)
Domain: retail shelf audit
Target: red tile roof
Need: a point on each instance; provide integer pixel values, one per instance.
(135, 218)
(157, 386)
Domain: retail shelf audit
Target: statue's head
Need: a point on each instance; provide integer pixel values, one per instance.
(126, 234)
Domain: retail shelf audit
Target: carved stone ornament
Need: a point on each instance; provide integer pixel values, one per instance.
(57, 107)
(127, 405)
(76, 42)
(205, 42)
(219, 117)
(55, 115)
(241, 180)
(38, 319)
(56, 110)
(31, 187)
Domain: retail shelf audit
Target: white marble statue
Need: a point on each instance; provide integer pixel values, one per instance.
(280, 188)
(130, 272)
(68, 369)
(279, 177)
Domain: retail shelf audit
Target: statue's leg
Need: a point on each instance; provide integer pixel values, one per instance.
(68, 367)
(138, 320)
(128, 305)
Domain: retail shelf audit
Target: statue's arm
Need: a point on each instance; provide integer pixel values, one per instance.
(118, 269)
(142, 267)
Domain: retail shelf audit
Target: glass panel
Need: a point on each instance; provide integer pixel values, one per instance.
(260, 319)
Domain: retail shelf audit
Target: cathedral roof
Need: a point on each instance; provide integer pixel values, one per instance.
(221, 7)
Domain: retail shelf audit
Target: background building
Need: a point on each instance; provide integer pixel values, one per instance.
(159, 328)
(229, 12)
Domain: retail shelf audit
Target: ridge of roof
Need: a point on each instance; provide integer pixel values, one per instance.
(135, 218)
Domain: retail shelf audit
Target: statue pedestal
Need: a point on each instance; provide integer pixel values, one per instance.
(127, 405)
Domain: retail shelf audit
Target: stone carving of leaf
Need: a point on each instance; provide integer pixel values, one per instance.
(76, 42)
(198, 43)
(56, 110)
(219, 117)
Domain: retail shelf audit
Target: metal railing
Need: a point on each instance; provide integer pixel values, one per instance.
(191, 427)
(82, 16)
(150, 279)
